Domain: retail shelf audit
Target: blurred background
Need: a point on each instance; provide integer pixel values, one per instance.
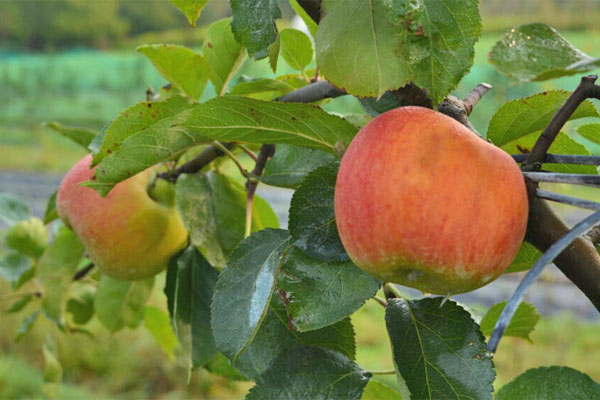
(74, 61)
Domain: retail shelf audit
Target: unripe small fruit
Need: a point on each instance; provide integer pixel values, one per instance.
(28, 237)
(130, 234)
(422, 201)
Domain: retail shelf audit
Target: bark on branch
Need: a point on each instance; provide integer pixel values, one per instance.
(586, 89)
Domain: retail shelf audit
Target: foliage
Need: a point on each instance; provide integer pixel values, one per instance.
(247, 300)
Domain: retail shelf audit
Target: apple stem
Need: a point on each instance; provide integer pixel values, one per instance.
(518, 295)
(555, 177)
(562, 159)
(573, 201)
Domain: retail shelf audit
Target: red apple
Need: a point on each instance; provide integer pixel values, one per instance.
(422, 201)
(131, 233)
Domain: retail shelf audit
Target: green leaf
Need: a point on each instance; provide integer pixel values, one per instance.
(563, 144)
(157, 323)
(135, 119)
(220, 365)
(190, 8)
(28, 237)
(213, 208)
(521, 324)
(193, 280)
(312, 219)
(518, 118)
(296, 48)
(223, 54)
(228, 118)
(26, 325)
(551, 383)
(438, 348)
(376, 390)
(12, 209)
(537, 52)
(310, 23)
(590, 131)
(253, 24)
(526, 257)
(53, 372)
(309, 373)
(262, 89)
(13, 266)
(56, 269)
(275, 337)
(273, 54)
(81, 306)
(81, 136)
(244, 290)
(121, 303)
(20, 304)
(51, 212)
(291, 164)
(389, 44)
(321, 293)
(185, 69)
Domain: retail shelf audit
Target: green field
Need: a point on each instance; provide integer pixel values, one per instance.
(89, 88)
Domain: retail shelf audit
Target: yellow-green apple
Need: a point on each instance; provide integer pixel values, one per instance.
(422, 201)
(28, 237)
(132, 232)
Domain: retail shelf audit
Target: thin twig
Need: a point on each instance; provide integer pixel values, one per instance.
(248, 151)
(391, 292)
(455, 109)
(475, 95)
(586, 89)
(383, 302)
(516, 298)
(83, 272)
(266, 152)
(572, 201)
(562, 159)
(555, 177)
(384, 372)
(233, 158)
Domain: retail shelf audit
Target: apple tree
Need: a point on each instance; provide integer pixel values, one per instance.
(249, 300)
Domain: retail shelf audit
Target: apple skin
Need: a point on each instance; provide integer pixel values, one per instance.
(128, 234)
(422, 201)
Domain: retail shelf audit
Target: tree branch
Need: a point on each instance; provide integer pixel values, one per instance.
(580, 262)
(585, 90)
(83, 272)
(312, 92)
(594, 235)
(475, 95)
(562, 159)
(208, 155)
(266, 152)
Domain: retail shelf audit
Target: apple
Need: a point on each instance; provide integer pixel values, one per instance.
(422, 201)
(28, 237)
(132, 232)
